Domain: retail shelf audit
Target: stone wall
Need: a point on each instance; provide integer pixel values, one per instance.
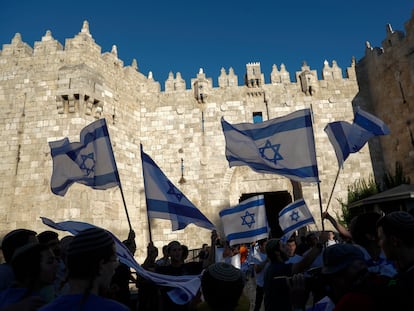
(386, 79)
(52, 91)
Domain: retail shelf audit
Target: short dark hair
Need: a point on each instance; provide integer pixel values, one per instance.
(362, 225)
(13, 240)
(26, 262)
(47, 236)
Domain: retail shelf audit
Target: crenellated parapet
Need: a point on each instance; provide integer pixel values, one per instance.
(174, 84)
(227, 80)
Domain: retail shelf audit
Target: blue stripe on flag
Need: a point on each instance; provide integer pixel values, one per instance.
(158, 206)
(268, 128)
(241, 207)
(341, 138)
(90, 162)
(299, 225)
(165, 201)
(291, 207)
(73, 148)
(247, 234)
(267, 147)
(370, 123)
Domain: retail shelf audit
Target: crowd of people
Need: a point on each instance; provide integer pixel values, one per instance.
(368, 266)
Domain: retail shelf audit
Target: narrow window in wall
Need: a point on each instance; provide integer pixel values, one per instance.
(257, 117)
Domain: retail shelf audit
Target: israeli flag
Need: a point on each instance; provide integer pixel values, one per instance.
(370, 123)
(283, 146)
(185, 287)
(166, 201)
(90, 162)
(349, 138)
(246, 222)
(293, 217)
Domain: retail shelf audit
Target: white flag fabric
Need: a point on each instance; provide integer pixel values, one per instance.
(90, 162)
(165, 201)
(293, 217)
(185, 287)
(246, 222)
(283, 146)
(349, 138)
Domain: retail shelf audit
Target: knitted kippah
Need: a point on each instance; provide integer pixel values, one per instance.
(224, 272)
(402, 220)
(90, 241)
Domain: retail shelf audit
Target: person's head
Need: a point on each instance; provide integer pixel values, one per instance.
(50, 239)
(395, 234)
(363, 229)
(291, 247)
(92, 257)
(34, 265)
(222, 285)
(262, 245)
(64, 245)
(15, 239)
(312, 239)
(175, 251)
(343, 266)
(165, 251)
(274, 251)
(185, 252)
(330, 235)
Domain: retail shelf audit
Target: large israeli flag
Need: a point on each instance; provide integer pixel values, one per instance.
(349, 138)
(185, 287)
(282, 146)
(90, 162)
(165, 201)
(293, 217)
(246, 222)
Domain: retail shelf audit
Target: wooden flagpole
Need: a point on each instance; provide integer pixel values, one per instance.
(319, 183)
(320, 204)
(125, 207)
(333, 188)
(119, 180)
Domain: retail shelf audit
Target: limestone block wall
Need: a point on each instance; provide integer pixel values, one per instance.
(386, 77)
(52, 91)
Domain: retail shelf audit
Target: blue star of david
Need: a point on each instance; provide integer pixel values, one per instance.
(268, 149)
(174, 191)
(294, 216)
(246, 216)
(88, 163)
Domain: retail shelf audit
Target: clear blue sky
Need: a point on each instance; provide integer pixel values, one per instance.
(183, 36)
